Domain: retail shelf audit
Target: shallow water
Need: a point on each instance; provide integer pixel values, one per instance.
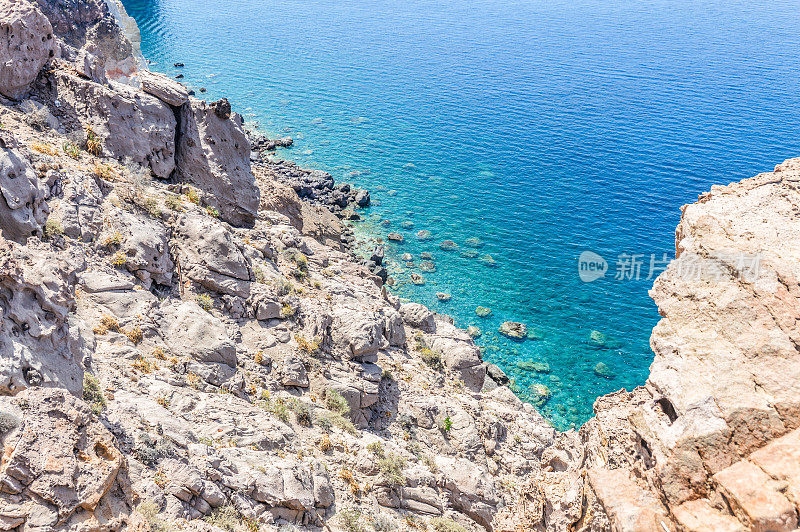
(541, 128)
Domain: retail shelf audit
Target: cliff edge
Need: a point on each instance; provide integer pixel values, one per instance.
(187, 342)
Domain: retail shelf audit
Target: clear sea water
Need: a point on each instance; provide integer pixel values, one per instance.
(542, 128)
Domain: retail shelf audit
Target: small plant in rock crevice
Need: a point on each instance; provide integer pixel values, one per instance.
(53, 227)
(72, 150)
(118, 259)
(135, 335)
(442, 524)
(107, 323)
(93, 143)
(309, 347)
(205, 302)
(93, 394)
(446, 425)
(350, 520)
(335, 402)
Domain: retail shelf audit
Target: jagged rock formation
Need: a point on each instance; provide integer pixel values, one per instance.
(26, 45)
(186, 344)
(214, 155)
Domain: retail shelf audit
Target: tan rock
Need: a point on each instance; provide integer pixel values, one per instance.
(754, 497)
(780, 459)
(165, 89)
(630, 507)
(699, 516)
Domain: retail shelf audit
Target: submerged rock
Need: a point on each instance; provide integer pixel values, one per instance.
(424, 235)
(534, 334)
(514, 330)
(444, 297)
(483, 312)
(597, 338)
(469, 253)
(417, 279)
(536, 367)
(488, 260)
(395, 237)
(602, 370)
(474, 331)
(427, 266)
(541, 394)
(474, 242)
(448, 245)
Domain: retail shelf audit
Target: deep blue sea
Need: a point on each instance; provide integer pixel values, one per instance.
(526, 132)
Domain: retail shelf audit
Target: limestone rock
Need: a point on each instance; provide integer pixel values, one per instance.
(459, 353)
(357, 334)
(469, 489)
(80, 211)
(208, 255)
(145, 244)
(294, 372)
(214, 155)
(96, 27)
(38, 344)
(165, 89)
(418, 316)
(131, 124)
(65, 464)
(23, 209)
(195, 332)
(26, 45)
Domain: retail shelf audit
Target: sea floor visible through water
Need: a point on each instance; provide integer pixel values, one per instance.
(504, 139)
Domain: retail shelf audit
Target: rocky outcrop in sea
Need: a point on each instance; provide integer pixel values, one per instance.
(187, 342)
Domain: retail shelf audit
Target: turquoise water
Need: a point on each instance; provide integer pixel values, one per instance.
(541, 128)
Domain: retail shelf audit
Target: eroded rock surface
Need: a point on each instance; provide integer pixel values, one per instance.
(239, 366)
(214, 155)
(26, 43)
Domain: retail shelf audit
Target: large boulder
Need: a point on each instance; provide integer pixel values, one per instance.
(23, 209)
(469, 489)
(164, 88)
(459, 353)
(38, 345)
(146, 247)
(99, 28)
(80, 211)
(208, 255)
(214, 156)
(418, 316)
(194, 332)
(357, 334)
(132, 125)
(61, 469)
(26, 43)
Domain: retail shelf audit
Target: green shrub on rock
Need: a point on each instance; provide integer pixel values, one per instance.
(92, 393)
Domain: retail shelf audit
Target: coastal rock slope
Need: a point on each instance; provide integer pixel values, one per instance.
(188, 343)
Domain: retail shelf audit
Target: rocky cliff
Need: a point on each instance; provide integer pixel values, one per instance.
(186, 342)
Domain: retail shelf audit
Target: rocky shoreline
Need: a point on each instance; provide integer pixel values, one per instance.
(188, 343)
